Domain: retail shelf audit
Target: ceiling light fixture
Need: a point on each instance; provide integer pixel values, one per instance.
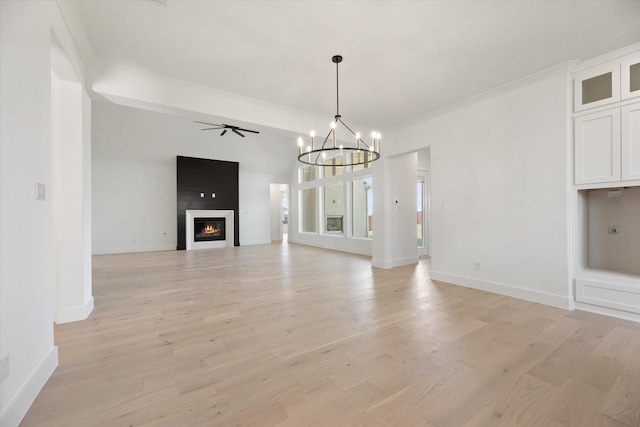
(332, 154)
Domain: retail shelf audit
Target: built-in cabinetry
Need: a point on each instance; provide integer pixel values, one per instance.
(630, 142)
(597, 147)
(607, 145)
(607, 148)
(606, 123)
(607, 83)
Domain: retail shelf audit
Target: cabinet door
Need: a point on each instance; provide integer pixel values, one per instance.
(597, 147)
(631, 142)
(630, 76)
(596, 86)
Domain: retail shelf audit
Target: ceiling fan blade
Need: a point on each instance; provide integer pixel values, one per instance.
(235, 131)
(212, 128)
(205, 123)
(223, 132)
(248, 130)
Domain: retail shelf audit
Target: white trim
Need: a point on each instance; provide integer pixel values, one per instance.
(326, 243)
(565, 67)
(559, 301)
(229, 229)
(108, 251)
(606, 311)
(256, 242)
(18, 407)
(395, 262)
(73, 314)
(609, 56)
(603, 288)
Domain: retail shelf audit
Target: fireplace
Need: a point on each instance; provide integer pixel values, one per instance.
(208, 229)
(192, 228)
(334, 223)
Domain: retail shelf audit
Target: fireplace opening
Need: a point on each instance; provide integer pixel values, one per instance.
(208, 229)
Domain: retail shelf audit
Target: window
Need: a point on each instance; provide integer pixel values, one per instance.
(362, 208)
(307, 173)
(357, 157)
(333, 167)
(333, 208)
(308, 210)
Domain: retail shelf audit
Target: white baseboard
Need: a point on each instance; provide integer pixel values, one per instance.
(634, 317)
(332, 243)
(380, 263)
(559, 301)
(108, 251)
(73, 314)
(254, 242)
(19, 405)
(394, 263)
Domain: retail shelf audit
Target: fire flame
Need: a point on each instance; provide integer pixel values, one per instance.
(210, 229)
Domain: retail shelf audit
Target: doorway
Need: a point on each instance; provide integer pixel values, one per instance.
(423, 205)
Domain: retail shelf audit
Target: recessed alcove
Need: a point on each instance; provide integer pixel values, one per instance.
(608, 248)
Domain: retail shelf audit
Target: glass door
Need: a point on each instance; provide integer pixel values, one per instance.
(422, 215)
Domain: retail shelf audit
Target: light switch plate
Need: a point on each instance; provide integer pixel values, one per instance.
(40, 191)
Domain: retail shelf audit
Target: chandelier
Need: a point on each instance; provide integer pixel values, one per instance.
(329, 152)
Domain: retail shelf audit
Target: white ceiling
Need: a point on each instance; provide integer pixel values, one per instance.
(402, 59)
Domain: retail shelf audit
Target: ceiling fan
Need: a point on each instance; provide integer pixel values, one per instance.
(235, 129)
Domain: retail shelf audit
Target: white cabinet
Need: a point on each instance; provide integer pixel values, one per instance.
(630, 142)
(607, 141)
(596, 86)
(630, 76)
(607, 83)
(597, 147)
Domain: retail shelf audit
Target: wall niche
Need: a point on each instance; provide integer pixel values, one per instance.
(613, 228)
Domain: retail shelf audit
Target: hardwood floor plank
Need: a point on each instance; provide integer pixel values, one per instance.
(292, 335)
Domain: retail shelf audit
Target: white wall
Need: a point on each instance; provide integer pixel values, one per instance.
(26, 230)
(255, 208)
(134, 176)
(71, 200)
(619, 252)
(499, 172)
(134, 206)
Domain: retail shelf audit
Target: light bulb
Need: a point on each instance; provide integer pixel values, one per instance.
(341, 146)
(308, 148)
(300, 141)
(312, 133)
(357, 135)
(324, 155)
(333, 125)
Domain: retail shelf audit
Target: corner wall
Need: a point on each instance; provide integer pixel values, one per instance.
(500, 182)
(26, 225)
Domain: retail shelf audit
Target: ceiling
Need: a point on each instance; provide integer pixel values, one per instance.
(402, 59)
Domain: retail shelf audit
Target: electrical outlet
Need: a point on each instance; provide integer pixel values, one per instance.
(613, 229)
(477, 266)
(4, 368)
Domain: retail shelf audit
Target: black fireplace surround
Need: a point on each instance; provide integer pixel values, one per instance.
(205, 184)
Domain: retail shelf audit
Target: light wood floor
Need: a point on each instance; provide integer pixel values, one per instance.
(290, 335)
